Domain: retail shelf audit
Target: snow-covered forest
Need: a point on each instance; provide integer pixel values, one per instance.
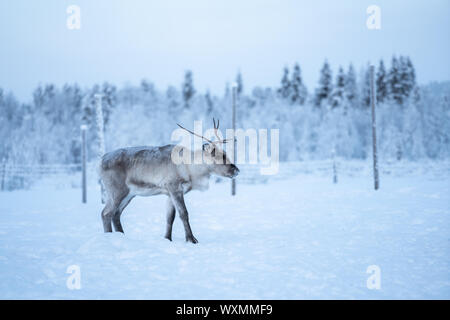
(413, 121)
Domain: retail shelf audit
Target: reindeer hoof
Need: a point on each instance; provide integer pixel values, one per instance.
(191, 239)
(168, 238)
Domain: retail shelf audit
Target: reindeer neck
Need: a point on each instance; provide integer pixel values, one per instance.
(199, 169)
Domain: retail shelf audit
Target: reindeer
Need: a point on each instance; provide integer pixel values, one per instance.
(149, 171)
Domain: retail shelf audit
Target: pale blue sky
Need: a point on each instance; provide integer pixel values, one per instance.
(126, 40)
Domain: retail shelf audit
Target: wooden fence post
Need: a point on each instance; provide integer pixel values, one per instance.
(335, 178)
(83, 163)
(374, 132)
(234, 97)
(3, 174)
(101, 137)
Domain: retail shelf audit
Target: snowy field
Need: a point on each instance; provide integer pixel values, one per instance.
(300, 237)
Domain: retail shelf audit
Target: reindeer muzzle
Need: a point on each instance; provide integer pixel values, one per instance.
(234, 171)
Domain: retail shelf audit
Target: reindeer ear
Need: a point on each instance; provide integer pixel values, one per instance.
(206, 147)
(210, 148)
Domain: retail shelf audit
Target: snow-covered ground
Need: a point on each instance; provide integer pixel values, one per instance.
(293, 238)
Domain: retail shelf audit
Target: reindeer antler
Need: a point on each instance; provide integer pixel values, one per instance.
(216, 127)
(194, 133)
(217, 135)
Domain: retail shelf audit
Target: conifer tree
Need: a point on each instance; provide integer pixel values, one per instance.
(395, 88)
(407, 76)
(188, 90)
(109, 100)
(172, 97)
(240, 86)
(298, 89)
(209, 102)
(285, 90)
(351, 88)
(381, 85)
(324, 90)
(338, 94)
(365, 87)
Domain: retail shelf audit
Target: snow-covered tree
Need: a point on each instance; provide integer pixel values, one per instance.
(407, 76)
(365, 87)
(351, 87)
(323, 92)
(338, 94)
(381, 83)
(240, 85)
(299, 92)
(209, 103)
(395, 87)
(411, 74)
(146, 86)
(285, 90)
(109, 100)
(188, 89)
(172, 99)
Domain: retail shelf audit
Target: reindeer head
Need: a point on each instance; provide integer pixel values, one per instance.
(214, 156)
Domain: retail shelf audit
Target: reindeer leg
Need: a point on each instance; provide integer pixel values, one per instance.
(107, 215)
(116, 218)
(178, 201)
(117, 191)
(170, 219)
